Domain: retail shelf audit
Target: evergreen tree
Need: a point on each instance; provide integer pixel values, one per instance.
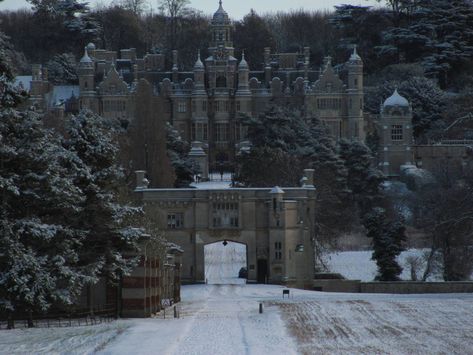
(252, 35)
(10, 95)
(62, 69)
(40, 263)
(387, 240)
(77, 18)
(106, 220)
(178, 152)
(363, 180)
(438, 35)
(284, 142)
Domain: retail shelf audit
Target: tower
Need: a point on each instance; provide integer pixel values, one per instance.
(86, 72)
(355, 97)
(221, 32)
(242, 98)
(395, 131)
(199, 120)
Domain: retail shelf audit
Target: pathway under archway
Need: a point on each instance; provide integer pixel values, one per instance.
(223, 261)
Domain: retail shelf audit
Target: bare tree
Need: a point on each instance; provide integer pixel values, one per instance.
(173, 9)
(445, 212)
(135, 6)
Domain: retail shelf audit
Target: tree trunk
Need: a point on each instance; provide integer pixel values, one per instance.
(10, 322)
(30, 319)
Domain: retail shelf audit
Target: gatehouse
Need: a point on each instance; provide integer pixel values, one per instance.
(276, 225)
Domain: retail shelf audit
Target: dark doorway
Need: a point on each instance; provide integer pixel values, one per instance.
(262, 271)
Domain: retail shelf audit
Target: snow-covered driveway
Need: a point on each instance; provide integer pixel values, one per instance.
(224, 319)
(215, 319)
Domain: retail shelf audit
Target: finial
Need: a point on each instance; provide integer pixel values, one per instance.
(198, 54)
(242, 52)
(220, 3)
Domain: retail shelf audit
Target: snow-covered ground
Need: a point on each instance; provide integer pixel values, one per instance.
(357, 265)
(73, 340)
(223, 262)
(223, 319)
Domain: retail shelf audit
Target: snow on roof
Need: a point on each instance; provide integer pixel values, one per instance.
(62, 93)
(174, 248)
(198, 64)
(354, 56)
(396, 100)
(212, 185)
(243, 64)
(24, 81)
(276, 190)
(86, 59)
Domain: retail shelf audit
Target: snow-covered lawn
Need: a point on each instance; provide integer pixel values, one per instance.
(357, 265)
(429, 324)
(224, 319)
(71, 340)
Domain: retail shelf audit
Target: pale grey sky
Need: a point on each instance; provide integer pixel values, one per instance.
(235, 8)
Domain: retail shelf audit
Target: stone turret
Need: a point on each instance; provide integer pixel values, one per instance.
(243, 72)
(396, 136)
(221, 31)
(86, 73)
(199, 73)
(355, 96)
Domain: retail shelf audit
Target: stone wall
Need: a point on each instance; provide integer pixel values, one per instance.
(416, 287)
(400, 287)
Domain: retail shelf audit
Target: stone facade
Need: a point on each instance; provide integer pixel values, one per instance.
(395, 132)
(206, 104)
(276, 226)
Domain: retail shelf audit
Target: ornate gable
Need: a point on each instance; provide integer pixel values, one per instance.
(113, 84)
(329, 81)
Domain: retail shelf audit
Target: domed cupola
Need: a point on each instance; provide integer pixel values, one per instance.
(91, 47)
(396, 100)
(86, 60)
(220, 16)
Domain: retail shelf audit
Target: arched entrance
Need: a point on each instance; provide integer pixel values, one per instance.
(223, 262)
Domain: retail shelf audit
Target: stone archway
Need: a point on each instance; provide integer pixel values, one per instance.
(223, 262)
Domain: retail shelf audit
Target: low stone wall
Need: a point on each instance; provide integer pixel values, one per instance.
(352, 286)
(416, 287)
(401, 287)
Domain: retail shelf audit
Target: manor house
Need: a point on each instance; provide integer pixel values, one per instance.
(207, 103)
